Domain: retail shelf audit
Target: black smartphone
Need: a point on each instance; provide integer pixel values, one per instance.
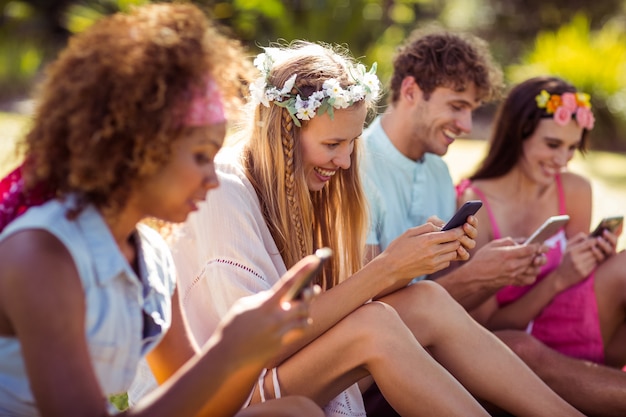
(295, 292)
(611, 223)
(460, 217)
(547, 229)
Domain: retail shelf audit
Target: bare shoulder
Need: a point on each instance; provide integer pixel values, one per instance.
(36, 269)
(466, 191)
(575, 183)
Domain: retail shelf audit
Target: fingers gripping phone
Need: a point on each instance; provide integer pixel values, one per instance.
(460, 217)
(295, 292)
(612, 224)
(547, 229)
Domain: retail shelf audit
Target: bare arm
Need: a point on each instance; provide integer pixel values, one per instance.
(220, 378)
(47, 310)
(420, 250)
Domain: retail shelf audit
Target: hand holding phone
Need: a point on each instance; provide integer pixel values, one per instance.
(547, 229)
(460, 217)
(612, 224)
(295, 292)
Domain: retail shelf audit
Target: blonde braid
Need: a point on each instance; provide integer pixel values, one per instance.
(294, 207)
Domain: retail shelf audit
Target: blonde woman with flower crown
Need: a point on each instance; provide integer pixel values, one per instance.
(291, 187)
(577, 304)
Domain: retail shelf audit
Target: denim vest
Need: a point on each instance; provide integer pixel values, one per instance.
(126, 315)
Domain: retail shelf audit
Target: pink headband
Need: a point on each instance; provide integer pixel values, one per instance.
(206, 106)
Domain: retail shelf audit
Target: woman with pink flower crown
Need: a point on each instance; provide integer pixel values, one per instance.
(577, 304)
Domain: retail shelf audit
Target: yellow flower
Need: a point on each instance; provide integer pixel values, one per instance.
(542, 99)
(583, 100)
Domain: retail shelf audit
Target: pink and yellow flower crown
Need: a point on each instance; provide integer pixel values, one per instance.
(562, 107)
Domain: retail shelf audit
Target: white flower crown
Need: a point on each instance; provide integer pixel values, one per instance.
(333, 96)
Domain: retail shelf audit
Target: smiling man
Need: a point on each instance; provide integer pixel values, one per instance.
(439, 78)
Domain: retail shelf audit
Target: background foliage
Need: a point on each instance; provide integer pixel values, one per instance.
(580, 40)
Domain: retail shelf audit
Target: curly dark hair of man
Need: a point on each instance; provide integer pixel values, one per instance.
(112, 103)
(440, 58)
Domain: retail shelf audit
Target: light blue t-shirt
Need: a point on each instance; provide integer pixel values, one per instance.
(401, 193)
(126, 315)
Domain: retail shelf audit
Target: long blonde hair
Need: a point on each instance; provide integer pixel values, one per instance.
(300, 220)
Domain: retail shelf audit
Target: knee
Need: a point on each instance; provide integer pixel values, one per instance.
(430, 302)
(376, 325)
(429, 294)
(299, 406)
(534, 353)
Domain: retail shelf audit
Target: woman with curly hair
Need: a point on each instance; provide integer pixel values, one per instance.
(291, 187)
(129, 121)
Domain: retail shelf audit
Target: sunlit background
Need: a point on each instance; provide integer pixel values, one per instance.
(582, 41)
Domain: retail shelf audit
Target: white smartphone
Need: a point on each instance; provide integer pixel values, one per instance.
(611, 223)
(547, 229)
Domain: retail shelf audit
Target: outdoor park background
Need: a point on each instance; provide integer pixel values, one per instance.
(579, 40)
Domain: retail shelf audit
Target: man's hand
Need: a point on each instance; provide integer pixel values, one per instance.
(503, 262)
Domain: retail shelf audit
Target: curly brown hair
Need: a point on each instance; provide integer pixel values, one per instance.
(440, 58)
(111, 105)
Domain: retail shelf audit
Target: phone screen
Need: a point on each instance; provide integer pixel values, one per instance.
(608, 223)
(460, 217)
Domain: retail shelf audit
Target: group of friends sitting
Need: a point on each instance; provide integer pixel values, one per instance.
(136, 259)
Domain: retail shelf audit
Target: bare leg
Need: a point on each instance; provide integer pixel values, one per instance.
(294, 406)
(594, 389)
(610, 289)
(373, 340)
(482, 363)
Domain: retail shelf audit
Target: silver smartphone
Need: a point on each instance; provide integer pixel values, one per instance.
(547, 229)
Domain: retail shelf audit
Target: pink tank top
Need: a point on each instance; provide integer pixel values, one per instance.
(570, 323)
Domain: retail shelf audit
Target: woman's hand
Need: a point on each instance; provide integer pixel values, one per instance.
(605, 245)
(423, 250)
(580, 258)
(467, 240)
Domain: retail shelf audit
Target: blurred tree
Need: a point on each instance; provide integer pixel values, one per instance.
(32, 30)
(595, 62)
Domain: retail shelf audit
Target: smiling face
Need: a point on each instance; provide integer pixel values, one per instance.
(438, 120)
(548, 150)
(183, 182)
(327, 144)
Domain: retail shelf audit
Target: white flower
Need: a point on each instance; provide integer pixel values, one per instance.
(357, 92)
(303, 109)
(288, 85)
(342, 100)
(371, 82)
(259, 61)
(332, 88)
(365, 86)
(273, 94)
(257, 92)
